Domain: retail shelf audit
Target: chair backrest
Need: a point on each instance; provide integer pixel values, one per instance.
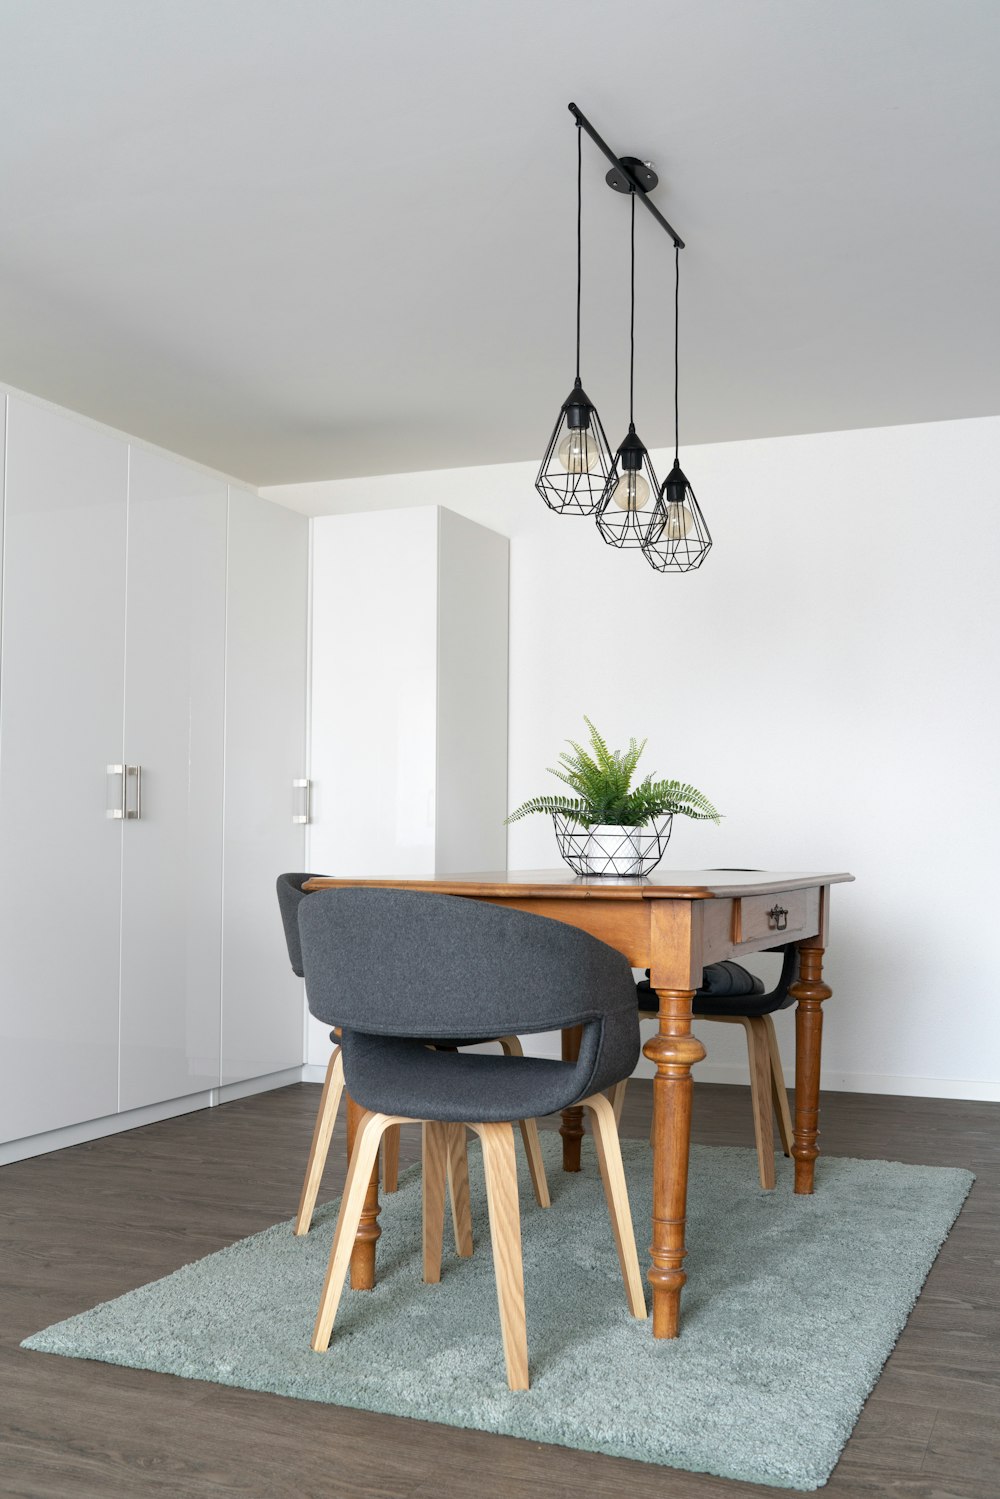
(290, 897)
(404, 963)
(779, 997)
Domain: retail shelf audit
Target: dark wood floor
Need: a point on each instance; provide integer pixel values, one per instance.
(84, 1225)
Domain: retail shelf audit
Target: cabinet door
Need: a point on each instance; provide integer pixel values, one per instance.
(266, 643)
(175, 645)
(60, 727)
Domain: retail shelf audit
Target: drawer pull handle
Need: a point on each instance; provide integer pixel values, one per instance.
(777, 918)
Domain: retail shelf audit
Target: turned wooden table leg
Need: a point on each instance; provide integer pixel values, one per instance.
(673, 1050)
(571, 1128)
(363, 1254)
(809, 991)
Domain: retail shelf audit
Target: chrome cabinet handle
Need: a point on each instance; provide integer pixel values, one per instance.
(116, 800)
(133, 793)
(301, 800)
(777, 918)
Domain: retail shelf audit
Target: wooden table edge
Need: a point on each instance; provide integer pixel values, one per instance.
(512, 886)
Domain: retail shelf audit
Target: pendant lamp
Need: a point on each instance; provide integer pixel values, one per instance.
(577, 460)
(677, 539)
(626, 506)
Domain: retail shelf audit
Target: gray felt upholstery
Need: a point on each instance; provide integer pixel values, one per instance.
(403, 1076)
(728, 989)
(399, 968)
(290, 897)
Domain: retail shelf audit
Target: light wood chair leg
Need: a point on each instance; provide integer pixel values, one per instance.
(505, 1233)
(616, 1098)
(760, 1095)
(779, 1093)
(767, 1090)
(458, 1189)
(511, 1047)
(390, 1160)
(359, 1175)
(609, 1156)
(533, 1150)
(436, 1140)
(326, 1118)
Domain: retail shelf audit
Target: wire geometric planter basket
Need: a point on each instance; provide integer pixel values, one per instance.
(611, 848)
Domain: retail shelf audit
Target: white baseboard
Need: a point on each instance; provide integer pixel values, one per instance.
(970, 1089)
(116, 1124)
(93, 1129)
(264, 1084)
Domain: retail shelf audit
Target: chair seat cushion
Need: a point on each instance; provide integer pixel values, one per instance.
(391, 1075)
(726, 989)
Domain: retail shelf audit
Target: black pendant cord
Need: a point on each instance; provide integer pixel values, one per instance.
(677, 309)
(579, 239)
(631, 332)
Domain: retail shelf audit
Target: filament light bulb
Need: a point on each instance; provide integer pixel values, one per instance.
(631, 492)
(578, 452)
(679, 522)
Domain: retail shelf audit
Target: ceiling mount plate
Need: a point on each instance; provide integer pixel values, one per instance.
(641, 170)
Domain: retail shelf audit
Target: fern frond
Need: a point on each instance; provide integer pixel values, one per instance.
(581, 758)
(580, 772)
(603, 754)
(676, 796)
(575, 782)
(569, 806)
(631, 759)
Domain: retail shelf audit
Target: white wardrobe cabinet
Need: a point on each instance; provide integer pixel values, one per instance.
(61, 702)
(153, 616)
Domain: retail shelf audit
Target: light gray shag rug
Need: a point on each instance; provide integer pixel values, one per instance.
(791, 1308)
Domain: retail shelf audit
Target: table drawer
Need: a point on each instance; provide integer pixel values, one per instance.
(793, 913)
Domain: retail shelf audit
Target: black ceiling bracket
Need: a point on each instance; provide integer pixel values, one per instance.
(641, 176)
(628, 174)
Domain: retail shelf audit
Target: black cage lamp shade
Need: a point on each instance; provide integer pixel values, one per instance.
(577, 460)
(678, 539)
(629, 498)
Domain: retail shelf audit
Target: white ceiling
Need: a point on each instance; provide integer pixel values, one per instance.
(303, 239)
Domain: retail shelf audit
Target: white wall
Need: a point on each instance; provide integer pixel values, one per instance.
(828, 679)
(408, 728)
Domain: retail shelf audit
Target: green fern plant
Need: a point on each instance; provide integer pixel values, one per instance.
(602, 780)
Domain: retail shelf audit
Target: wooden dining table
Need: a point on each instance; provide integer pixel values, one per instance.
(674, 924)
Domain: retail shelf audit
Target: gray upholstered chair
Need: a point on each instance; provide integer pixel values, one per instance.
(290, 897)
(400, 973)
(729, 993)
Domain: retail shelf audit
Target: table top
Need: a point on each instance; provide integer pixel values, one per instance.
(668, 884)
